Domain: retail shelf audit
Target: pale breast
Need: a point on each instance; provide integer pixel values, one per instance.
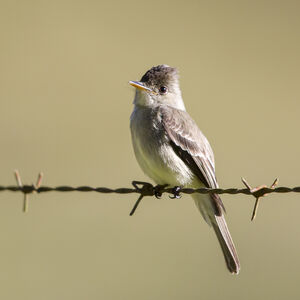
(153, 150)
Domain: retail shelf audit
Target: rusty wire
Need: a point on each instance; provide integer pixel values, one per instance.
(146, 189)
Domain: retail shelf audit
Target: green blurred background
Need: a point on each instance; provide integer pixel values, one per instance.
(65, 104)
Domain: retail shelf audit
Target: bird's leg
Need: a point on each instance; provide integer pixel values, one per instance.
(176, 192)
(158, 190)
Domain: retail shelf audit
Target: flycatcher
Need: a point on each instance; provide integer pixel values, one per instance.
(171, 149)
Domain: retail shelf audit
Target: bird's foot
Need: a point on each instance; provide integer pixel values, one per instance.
(158, 190)
(176, 192)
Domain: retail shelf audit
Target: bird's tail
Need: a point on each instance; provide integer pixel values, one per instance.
(220, 227)
(226, 242)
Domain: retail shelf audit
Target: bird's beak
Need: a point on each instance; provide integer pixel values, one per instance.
(140, 86)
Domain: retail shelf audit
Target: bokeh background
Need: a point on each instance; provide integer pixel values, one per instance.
(65, 104)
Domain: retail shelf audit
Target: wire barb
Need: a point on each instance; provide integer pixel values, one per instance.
(146, 189)
(258, 192)
(27, 189)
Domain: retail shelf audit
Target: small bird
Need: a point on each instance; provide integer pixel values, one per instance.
(171, 149)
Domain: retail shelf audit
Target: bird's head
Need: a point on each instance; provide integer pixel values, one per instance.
(159, 85)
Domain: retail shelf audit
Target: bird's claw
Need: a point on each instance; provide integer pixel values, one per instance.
(176, 192)
(158, 190)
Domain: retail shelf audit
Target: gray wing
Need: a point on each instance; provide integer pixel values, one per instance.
(192, 147)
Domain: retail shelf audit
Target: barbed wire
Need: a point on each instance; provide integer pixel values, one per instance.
(147, 189)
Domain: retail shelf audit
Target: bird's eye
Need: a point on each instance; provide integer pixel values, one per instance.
(163, 89)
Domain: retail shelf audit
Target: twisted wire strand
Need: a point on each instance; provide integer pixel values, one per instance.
(146, 190)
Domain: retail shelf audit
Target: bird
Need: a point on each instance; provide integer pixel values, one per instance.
(172, 150)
